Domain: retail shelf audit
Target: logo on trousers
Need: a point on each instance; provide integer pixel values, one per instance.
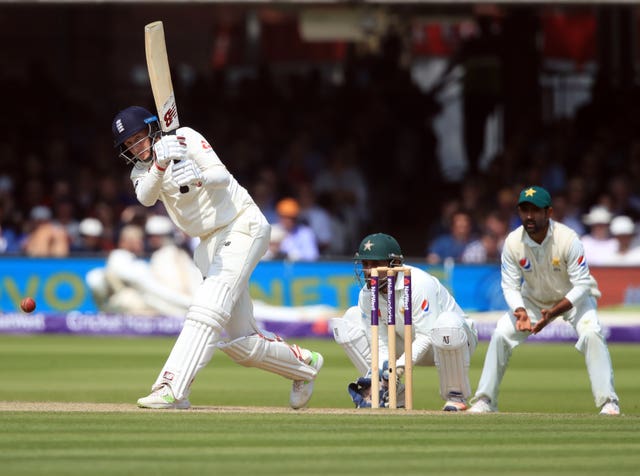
(168, 376)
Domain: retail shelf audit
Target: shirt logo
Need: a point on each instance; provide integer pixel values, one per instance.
(525, 264)
(425, 306)
(582, 261)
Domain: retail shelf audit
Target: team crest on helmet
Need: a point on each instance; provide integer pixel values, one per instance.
(525, 264)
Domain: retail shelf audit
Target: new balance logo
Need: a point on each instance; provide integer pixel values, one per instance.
(120, 126)
(445, 339)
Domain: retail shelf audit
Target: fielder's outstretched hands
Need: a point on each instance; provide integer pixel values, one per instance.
(523, 322)
(170, 148)
(545, 318)
(187, 173)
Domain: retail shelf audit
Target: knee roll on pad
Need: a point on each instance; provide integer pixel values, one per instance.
(211, 303)
(452, 354)
(270, 353)
(354, 341)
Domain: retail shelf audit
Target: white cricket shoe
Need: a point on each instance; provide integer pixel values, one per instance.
(610, 408)
(482, 405)
(455, 403)
(162, 399)
(302, 390)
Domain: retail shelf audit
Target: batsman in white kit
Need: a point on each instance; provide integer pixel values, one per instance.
(204, 200)
(443, 335)
(544, 276)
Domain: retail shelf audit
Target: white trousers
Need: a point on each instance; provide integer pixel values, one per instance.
(231, 256)
(591, 343)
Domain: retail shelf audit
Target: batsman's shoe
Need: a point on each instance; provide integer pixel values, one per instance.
(455, 403)
(163, 399)
(302, 390)
(610, 408)
(482, 405)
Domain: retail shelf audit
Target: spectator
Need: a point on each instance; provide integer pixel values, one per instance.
(90, 237)
(453, 243)
(314, 215)
(488, 247)
(561, 215)
(299, 243)
(46, 238)
(598, 244)
(264, 194)
(344, 182)
(623, 229)
(275, 241)
(9, 239)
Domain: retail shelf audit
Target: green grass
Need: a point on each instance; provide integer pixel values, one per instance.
(547, 425)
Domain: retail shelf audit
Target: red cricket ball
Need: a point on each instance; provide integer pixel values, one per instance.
(28, 304)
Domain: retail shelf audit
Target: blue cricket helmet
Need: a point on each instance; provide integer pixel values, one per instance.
(131, 120)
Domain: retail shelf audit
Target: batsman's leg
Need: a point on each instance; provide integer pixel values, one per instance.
(194, 348)
(253, 347)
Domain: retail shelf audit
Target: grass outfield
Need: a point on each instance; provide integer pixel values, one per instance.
(547, 425)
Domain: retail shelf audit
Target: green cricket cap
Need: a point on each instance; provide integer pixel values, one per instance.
(536, 195)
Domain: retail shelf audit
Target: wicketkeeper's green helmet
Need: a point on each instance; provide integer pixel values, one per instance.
(378, 247)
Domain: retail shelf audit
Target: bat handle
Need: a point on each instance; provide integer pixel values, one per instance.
(183, 188)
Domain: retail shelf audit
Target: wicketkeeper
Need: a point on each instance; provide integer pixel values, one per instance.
(443, 335)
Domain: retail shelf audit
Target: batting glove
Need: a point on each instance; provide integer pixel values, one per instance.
(187, 172)
(169, 148)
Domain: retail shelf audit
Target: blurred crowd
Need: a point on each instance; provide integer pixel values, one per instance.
(329, 162)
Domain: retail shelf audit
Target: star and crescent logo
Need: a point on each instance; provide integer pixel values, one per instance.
(530, 192)
(368, 245)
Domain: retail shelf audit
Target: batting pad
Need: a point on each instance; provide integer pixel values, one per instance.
(452, 357)
(191, 352)
(354, 341)
(270, 353)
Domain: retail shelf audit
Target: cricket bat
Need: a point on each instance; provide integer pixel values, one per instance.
(160, 76)
(160, 79)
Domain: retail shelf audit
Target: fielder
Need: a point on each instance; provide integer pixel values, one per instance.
(234, 235)
(443, 335)
(544, 276)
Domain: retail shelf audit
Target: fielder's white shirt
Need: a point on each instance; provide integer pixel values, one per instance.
(547, 272)
(202, 210)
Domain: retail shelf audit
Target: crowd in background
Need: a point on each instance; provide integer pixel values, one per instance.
(328, 163)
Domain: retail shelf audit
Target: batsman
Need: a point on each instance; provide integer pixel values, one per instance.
(204, 200)
(442, 334)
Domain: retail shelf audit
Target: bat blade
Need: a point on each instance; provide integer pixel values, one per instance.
(160, 76)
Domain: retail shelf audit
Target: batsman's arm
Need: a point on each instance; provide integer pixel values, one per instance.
(147, 184)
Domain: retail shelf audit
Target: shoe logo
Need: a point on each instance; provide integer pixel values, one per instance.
(445, 339)
(168, 376)
(227, 243)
